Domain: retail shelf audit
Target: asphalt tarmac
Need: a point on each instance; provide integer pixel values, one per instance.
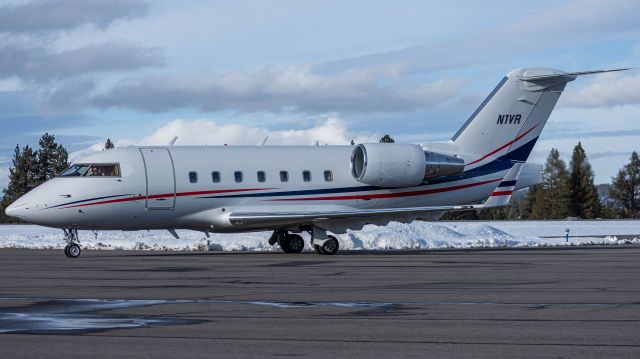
(516, 303)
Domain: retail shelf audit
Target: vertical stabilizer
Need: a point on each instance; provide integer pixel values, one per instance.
(510, 119)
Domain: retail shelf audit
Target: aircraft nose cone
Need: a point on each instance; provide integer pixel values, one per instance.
(16, 210)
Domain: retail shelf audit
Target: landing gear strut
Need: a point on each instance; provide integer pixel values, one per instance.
(289, 242)
(72, 250)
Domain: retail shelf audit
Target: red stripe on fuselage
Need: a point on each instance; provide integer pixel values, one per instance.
(501, 193)
(389, 195)
(502, 147)
(167, 195)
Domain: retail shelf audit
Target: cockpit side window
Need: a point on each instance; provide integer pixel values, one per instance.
(76, 170)
(93, 170)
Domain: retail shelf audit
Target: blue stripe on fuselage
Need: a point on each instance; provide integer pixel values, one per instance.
(501, 163)
(507, 184)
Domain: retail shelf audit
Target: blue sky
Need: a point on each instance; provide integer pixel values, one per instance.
(213, 72)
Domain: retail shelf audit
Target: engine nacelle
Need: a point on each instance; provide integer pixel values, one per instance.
(399, 165)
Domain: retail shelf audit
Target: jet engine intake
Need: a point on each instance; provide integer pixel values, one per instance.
(400, 165)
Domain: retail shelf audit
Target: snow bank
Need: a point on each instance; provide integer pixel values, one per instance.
(393, 236)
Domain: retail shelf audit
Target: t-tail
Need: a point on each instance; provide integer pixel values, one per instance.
(509, 121)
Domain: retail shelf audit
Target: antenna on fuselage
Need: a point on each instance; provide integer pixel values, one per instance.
(264, 140)
(173, 140)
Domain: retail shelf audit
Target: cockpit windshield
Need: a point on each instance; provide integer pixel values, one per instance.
(92, 170)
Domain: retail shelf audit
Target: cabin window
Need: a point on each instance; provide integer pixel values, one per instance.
(237, 175)
(215, 176)
(193, 177)
(92, 170)
(284, 176)
(262, 176)
(328, 176)
(306, 176)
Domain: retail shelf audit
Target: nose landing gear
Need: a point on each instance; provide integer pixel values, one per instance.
(72, 249)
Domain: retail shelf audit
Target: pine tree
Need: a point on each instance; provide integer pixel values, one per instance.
(549, 200)
(52, 158)
(109, 145)
(387, 139)
(22, 174)
(535, 207)
(461, 216)
(555, 186)
(625, 190)
(583, 196)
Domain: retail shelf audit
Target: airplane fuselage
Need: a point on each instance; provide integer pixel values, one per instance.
(172, 187)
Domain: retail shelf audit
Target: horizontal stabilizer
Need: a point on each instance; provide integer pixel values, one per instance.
(571, 75)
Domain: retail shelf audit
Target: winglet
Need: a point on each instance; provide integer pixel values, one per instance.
(501, 196)
(173, 140)
(263, 141)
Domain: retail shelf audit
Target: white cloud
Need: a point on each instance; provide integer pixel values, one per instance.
(605, 91)
(567, 23)
(206, 132)
(37, 63)
(59, 15)
(296, 87)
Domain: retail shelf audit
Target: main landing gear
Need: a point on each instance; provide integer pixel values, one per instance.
(289, 242)
(293, 243)
(329, 246)
(72, 250)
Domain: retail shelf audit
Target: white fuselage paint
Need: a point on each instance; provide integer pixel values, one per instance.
(91, 202)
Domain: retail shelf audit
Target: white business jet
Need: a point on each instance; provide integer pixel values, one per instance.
(314, 189)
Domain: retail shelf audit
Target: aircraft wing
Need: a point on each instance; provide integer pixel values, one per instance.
(501, 196)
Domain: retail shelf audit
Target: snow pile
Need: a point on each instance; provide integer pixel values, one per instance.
(416, 235)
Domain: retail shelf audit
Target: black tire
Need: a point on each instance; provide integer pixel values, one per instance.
(292, 243)
(330, 246)
(66, 250)
(74, 251)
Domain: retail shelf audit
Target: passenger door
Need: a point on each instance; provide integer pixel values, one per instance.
(160, 176)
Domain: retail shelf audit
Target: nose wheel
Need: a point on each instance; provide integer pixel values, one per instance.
(72, 249)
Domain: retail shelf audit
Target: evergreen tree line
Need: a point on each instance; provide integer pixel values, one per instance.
(31, 167)
(569, 191)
